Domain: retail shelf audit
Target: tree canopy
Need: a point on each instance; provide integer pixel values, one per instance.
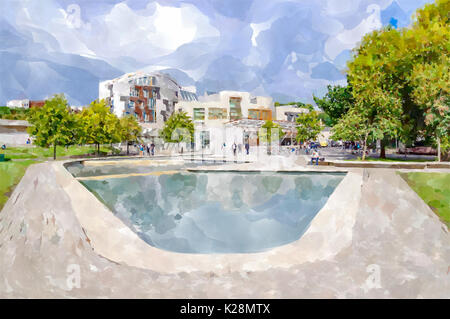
(52, 124)
(398, 79)
(335, 103)
(308, 126)
(130, 129)
(178, 128)
(97, 125)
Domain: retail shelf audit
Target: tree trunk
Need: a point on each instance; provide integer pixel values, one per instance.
(54, 151)
(382, 149)
(128, 149)
(365, 147)
(98, 149)
(439, 148)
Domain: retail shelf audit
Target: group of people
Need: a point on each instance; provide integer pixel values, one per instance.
(238, 148)
(150, 148)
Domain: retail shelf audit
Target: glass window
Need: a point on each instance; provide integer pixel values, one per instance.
(217, 113)
(204, 139)
(199, 114)
(235, 108)
(252, 114)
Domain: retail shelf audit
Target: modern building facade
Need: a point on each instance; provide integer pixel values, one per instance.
(213, 111)
(150, 97)
(220, 118)
(289, 113)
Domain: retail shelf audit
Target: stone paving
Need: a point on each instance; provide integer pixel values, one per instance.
(390, 246)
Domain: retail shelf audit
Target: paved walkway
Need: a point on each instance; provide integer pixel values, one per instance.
(396, 247)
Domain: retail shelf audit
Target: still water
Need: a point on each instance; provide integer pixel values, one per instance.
(216, 212)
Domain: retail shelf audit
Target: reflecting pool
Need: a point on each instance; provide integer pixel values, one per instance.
(216, 212)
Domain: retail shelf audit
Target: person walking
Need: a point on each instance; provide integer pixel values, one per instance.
(148, 149)
(152, 149)
(234, 147)
(247, 148)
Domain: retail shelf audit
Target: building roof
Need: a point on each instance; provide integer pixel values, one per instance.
(188, 96)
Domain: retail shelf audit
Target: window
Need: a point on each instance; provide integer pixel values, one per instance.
(235, 108)
(216, 113)
(253, 100)
(204, 139)
(199, 114)
(259, 114)
(131, 104)
(151, 103)
(252, 114)
(235, 102)
(134, 92)
(145, 93)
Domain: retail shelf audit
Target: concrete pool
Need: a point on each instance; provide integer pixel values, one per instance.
(52, 223)
(114, 236)
(211, 212)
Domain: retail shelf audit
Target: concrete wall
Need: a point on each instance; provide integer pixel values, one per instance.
(281, 111)
(13, 132)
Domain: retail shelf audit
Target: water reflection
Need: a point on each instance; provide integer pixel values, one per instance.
(217, 212)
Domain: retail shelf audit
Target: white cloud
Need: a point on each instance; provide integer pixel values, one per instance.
(258, 27)
(348, 39)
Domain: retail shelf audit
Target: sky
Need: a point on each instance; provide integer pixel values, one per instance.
(289, 50)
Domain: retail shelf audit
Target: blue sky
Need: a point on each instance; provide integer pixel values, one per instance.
(286, 49)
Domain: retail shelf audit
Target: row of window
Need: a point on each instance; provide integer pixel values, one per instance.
(135, 93)
(215, 113)
(151, 104)
(146, 80)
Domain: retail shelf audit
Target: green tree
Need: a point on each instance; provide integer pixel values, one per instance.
(178, 128)
(335, 103)
(130, 130)
(391, 66)
(97, 125)
(308, 126)
(52, 124)
(431, 89)
(326, 119)
(270, 132)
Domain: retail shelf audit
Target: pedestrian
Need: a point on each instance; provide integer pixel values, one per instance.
(148, 149)
(315, 156)
(234, 147)
(247, 147)
(152, 149)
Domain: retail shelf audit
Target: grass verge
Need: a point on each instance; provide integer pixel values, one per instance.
(17, 160)
(434, 189)
(10, 175)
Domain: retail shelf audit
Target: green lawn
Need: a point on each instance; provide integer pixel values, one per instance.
(10, 174)
(19, 158)
(37, 152)
(434, 189)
